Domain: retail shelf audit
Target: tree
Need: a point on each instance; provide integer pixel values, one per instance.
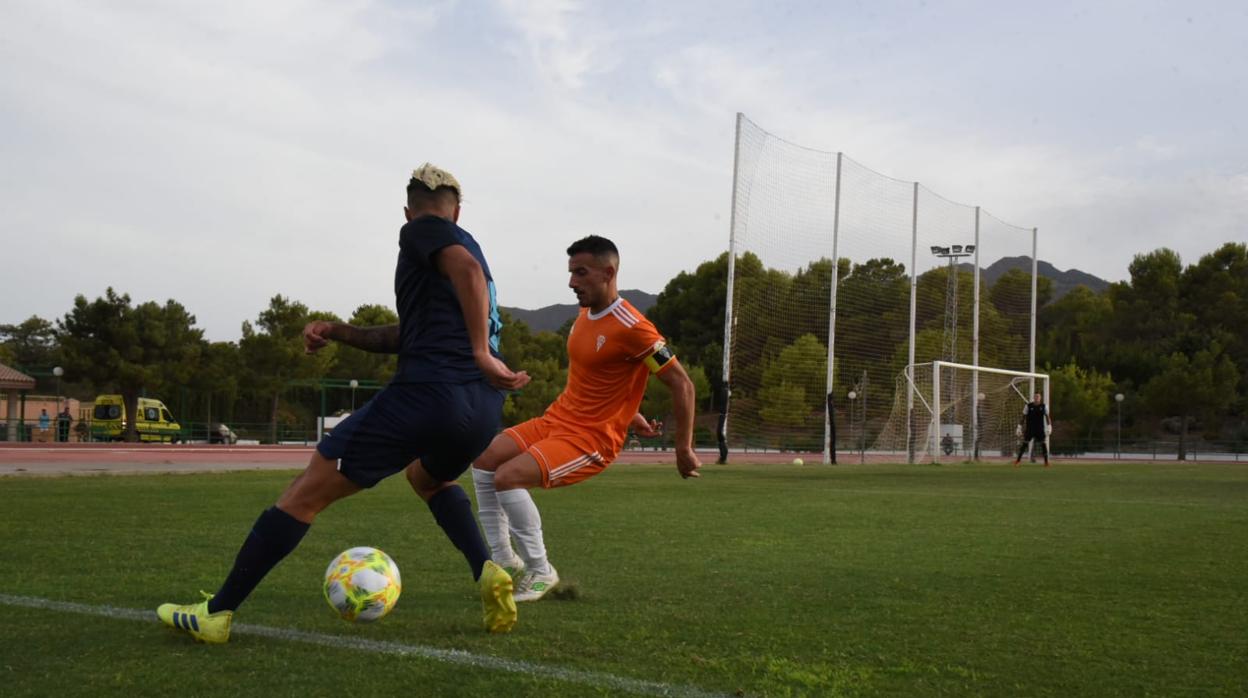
(547, 381)
(273, 355)
(1010, 298)
(1075, 329)
(658, 401)
(31, 343)
(347, 362)
(130, 349)
(1148, 323)
(872, 324)
(801, 368)
(217, 382)
(1215, 292)
(690, 313)
(1080, 398)
(784, 405)
(545, 356)
(1202, 385)
(760, 295)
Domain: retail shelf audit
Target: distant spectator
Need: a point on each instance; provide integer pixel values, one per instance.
(44, 422)
(62, 424)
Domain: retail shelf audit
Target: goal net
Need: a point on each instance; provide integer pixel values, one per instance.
(954, 412)
(839, 277)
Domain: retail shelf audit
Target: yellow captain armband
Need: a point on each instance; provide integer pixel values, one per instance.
(660, 357)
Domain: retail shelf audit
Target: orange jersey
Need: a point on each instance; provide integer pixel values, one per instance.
(607, 372)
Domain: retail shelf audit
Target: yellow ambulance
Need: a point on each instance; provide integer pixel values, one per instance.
(155, 422)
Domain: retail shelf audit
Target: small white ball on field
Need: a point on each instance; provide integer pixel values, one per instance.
(798, 461)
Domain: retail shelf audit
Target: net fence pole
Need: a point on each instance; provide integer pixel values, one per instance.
(1031, 340)
(933, 438)
(975, 349)
(722, 434)
(914, 286)
(829, 410)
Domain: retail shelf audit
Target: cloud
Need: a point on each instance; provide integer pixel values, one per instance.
(1094, 207)
(560, 39)
(222, 154)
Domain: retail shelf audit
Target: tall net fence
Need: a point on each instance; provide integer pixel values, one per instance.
(804, 332)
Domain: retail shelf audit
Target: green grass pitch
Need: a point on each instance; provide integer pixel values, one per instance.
(1106, 579)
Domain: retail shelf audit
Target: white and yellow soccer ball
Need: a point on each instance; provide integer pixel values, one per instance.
(362, 584)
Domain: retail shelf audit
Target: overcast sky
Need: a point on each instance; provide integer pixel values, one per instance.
(219, 153)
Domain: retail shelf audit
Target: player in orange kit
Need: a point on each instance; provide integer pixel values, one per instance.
(612, 350)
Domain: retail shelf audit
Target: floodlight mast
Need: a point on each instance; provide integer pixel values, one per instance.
(953, 253)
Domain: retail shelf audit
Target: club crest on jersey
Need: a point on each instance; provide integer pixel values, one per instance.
(601, 341)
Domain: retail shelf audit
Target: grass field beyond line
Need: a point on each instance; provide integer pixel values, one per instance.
(1107, 579)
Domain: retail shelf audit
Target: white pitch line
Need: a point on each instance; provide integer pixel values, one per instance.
(593, 679)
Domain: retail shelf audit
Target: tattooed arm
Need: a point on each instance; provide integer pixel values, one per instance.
(383, 339)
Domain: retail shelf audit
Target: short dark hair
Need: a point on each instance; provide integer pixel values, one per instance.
(419, 195)
(598, 246)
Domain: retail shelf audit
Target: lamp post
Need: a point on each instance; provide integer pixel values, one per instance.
(1118, 398)
(953, 253)
(354, 384)
(58, 372)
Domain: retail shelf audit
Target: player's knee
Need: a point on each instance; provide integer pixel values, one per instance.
(487, 462)
(508, 477)
(422, 483)
(315, 489)
(301, 503)
(495, 455)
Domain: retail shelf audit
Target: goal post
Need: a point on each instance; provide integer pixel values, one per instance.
(960, 411)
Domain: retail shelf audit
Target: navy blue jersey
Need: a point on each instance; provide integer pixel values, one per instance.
(1034, 416)
(433, 339)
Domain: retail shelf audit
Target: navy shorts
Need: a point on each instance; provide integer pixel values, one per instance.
(445, 425)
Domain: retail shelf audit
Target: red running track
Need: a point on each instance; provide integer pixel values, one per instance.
(93, 458)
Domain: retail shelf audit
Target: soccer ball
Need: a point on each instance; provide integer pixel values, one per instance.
(798, 461)
(362, 584)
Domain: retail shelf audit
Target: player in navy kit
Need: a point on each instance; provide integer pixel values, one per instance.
(1035, 425)
(437, 414)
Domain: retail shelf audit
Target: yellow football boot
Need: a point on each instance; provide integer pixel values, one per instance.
(497, 599)
(194, 618)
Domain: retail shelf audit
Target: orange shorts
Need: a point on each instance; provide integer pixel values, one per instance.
(566, 455)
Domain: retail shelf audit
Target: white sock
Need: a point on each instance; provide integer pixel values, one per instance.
(526, 525)
(493, 518)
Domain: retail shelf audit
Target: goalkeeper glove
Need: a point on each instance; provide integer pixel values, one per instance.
(1018, 431)
(1048, 429)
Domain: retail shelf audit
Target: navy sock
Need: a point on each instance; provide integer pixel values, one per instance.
(272, 537)
(453, 512)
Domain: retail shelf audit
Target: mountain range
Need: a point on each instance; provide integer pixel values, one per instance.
(552, 317)
(1063, 281)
